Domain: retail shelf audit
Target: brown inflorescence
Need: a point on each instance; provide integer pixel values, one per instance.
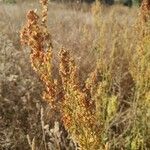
(77, 108)
(36, 36)
(145, 10)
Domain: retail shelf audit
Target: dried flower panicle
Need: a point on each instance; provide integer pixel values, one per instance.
(36, 36)
(76, 104)
(44, 4)
(68, 69)
(145, 10)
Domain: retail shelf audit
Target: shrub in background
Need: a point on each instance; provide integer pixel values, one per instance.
(10, 1)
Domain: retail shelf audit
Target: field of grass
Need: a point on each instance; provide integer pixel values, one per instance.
(79, 79)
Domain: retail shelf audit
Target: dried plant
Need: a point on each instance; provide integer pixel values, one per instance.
(35, 35)
(145, 10)
(96, 113)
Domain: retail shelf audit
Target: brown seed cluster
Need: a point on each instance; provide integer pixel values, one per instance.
(145, 10)
(36, 36)
(77, 109)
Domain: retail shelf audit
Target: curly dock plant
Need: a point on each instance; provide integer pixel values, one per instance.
(97, 113)
(72, 101)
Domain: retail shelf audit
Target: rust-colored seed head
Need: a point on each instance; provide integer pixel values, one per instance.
(145, 10)
(44, 4)
(36, 36)
(32, 16)
(64, 66)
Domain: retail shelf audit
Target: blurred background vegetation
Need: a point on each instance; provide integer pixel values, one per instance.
(24, 115)
(107, 2)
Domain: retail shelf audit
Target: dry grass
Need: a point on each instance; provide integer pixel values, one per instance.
(116, 86)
